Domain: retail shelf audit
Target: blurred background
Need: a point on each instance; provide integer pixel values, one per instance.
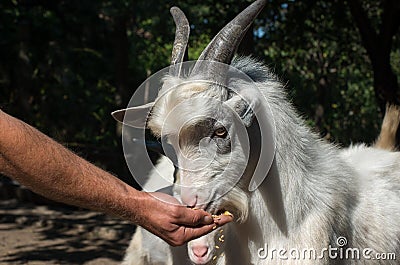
(65, 65)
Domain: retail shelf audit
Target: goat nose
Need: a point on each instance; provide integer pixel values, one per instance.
(200, 251)
(189, 198)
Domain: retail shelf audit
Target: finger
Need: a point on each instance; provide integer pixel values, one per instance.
(193, 233)
(223, 219)
(192, 217)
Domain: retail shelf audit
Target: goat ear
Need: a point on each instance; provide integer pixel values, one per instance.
(246, 105)
(135, 116)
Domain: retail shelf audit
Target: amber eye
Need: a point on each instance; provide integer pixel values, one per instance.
(221, 132)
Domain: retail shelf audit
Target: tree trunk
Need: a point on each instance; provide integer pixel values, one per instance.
(121, 48)
(378, 46)
(122, 97)
(21, 75)
(385, 81)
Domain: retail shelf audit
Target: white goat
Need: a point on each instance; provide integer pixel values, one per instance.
(313, 195)
(146, 248)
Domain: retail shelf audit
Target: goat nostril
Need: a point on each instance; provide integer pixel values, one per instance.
(200, 251)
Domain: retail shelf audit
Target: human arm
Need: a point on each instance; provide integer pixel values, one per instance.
(46, 167)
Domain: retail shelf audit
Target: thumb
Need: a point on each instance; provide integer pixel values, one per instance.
(195, 217)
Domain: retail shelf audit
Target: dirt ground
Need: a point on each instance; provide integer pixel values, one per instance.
(41, 234)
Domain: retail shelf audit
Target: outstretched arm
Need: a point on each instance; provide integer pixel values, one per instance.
(53, 171)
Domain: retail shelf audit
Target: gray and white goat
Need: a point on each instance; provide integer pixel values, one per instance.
(313, 194)
(148, 249)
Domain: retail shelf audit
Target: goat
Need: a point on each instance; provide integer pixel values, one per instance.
(148, 249)
(312, 193)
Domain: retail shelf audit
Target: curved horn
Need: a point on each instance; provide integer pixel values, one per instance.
(222, 48)
(181, 39)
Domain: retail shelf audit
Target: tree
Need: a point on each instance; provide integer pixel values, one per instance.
(65, 65)
(378, 41)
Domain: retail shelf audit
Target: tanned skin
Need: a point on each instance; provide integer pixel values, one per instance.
(49, 169)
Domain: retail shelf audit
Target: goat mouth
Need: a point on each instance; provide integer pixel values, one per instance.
(200, 260)
(227, 208)
(235, 204)
(222, 211)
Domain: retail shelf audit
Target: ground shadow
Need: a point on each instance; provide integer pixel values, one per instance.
(59, 234)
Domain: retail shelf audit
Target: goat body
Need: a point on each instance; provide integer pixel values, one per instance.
(311, 195)
(240, 146)
(314, 192)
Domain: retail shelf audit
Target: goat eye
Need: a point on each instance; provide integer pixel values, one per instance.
(221, 132)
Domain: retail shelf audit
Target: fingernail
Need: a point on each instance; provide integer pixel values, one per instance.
(207, 219)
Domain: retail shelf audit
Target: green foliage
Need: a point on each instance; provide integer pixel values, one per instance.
(65, 65)
(326, 65)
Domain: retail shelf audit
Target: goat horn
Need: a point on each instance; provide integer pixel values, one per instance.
(222, 48)
(181, 39)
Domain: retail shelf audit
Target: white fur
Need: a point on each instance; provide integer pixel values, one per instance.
(146, 249)
(313, 193)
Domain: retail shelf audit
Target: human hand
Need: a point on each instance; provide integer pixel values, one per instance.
(163, 215)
